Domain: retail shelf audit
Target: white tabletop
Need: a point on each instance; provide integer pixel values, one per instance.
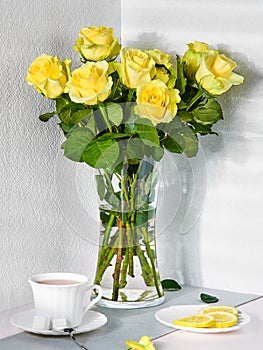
(6, 329)
(248, 337)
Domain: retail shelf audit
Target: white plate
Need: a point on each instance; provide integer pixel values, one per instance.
(168, 315)
(91, 320)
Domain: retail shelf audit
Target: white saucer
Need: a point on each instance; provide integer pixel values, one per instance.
(166, 316)
(91, 320)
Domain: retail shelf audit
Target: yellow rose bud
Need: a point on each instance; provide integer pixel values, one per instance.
(156, 102)
(48, 75)
(193, 56)
(97, 44)
(215, 74)
(90, 83)
(135, 67)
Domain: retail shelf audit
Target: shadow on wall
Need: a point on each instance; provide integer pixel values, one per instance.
(179, 253)
(183, 192)
(147, 41)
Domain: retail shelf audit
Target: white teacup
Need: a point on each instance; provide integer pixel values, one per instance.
(62, 296)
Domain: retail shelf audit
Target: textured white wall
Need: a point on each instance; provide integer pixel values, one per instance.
(211, 214)
(35, 212)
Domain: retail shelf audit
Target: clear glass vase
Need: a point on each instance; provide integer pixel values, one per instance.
(127, 268)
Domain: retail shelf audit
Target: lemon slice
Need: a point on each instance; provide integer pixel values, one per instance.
(223, 319)
(209, 309)
(196, 321)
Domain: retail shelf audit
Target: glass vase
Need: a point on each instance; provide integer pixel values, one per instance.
(127, 268)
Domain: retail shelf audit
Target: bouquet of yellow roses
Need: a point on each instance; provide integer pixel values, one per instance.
(118, 111)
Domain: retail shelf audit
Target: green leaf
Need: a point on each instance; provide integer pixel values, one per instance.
(147, 132)
(130, 119)
(180, 138)
(143, 216)
(202, 129)
(172, 128)
(113, 136)
(191, 145)
(174, 144)
(79, 115)
(70, 112)
(101, 154)
(181, 80)
(143, 124)
(197, 96)
(75, 145)
(185, 116)
(65, 115)
(145, 170)
(206, 298)
(64, 101)
(90, 123)
(210, 113)
(115, 113)
(65, 127)
(100, 186)
(135, 148)
(170, 285)
(61, 102)
(157, 153)
(45, 117)
(181, 105)
(113, 198)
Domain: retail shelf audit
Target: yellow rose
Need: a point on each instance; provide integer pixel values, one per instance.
(135, 67)
(90, 83)
(193, 56)
(97, 44)
(215, 74)
(48, 75)
(156, 102)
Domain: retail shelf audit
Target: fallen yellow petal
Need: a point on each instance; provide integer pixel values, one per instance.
(144, 343)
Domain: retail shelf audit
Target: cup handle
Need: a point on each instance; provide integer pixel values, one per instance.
(95, 300)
